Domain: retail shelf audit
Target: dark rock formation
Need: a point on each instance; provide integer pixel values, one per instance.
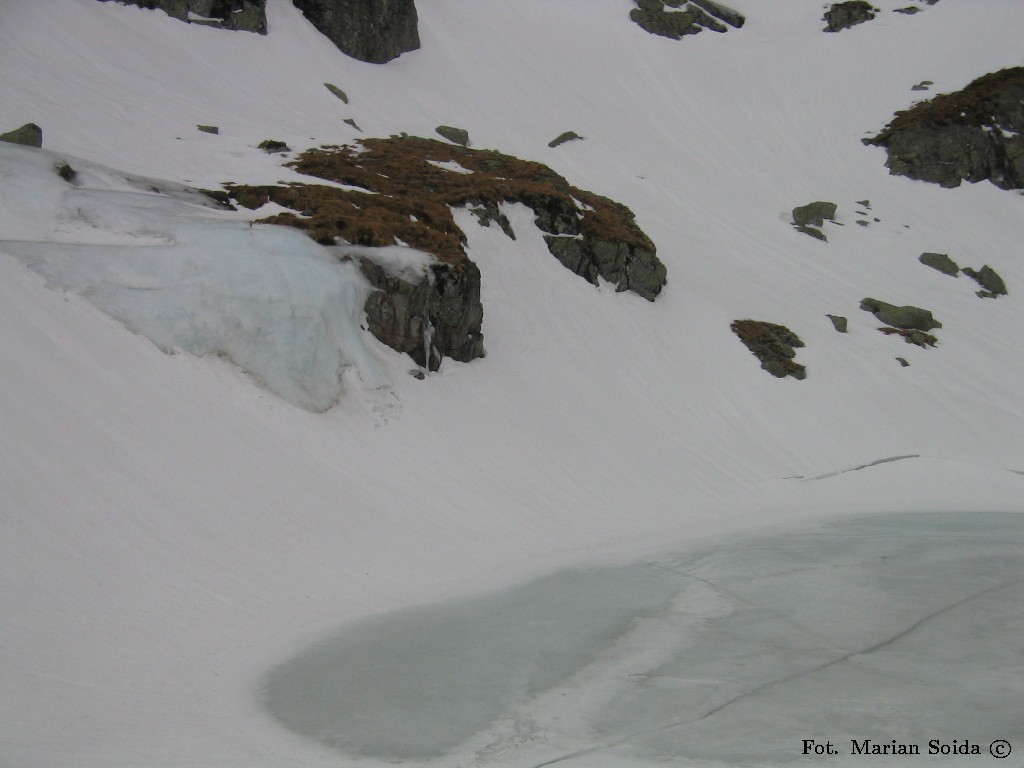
(685, 18)
(375, 31)
(991, 283)
(906, 317)
(30, 134)
(970, 135)
(774, 345)
(807, 218)
(562, 138)
(208, 129)
(337, 92)
(440, 316)
(458, 136)
(845, 15)
(411, 184)
(273, 146)
(246, 15)
(941, 262)
(838, 322)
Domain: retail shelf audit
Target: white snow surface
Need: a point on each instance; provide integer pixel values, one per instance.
(172, 530)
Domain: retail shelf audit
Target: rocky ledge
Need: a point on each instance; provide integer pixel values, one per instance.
(971, 135)
(401, 191)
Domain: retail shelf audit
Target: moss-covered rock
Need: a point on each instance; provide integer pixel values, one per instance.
(941, 262)
(903, 317)
(814, 214)
(455, 135)
(562, 138)
(774, 345)
(991, 283)
(839, 322)
(30, 135)
(337, 92)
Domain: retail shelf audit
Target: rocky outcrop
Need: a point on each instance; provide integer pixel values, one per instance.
(402, 190)
(676, 18)
(970, 135)
(30, 134)
(439, 316)
(774, 345)
(845, 15)
(374, 31)
(246, 15)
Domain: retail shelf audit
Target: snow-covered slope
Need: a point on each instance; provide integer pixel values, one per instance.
(172, 531)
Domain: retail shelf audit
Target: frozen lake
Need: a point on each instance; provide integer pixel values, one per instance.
(905, 628)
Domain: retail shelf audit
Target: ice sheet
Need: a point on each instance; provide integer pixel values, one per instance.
(732, 655)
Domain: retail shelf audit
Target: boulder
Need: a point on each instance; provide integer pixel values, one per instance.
(992, 284)
(30, 134)
(941, 262)
(562, 138)
(905, 317)
(814, 214)
(839, 323)
(375, 31)
(845, 15)
(974, 134)
(337, 92)
(458, 136)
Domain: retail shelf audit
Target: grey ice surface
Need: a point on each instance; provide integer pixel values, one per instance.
(902, 628)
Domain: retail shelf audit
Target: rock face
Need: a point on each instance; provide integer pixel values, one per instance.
(970, 135)
(440, 316)
(30, 134)
(845, 15)
(247, 15)
(676, 18)
(774, 345)
(402, 190)
(374, 31)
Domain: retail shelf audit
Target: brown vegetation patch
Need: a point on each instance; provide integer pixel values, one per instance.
(774, 345)
(403, 194)
(911, 336)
